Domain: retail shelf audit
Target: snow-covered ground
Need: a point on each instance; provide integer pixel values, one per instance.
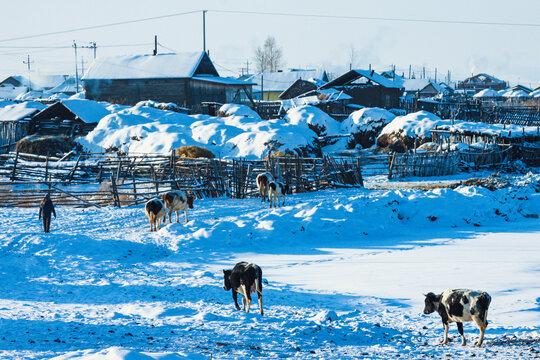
(344, 274)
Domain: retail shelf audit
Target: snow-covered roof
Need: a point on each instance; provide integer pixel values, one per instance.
(221, 80)
(281, 80)
(515, 94)
(87, 110)
(487, 93)
(20, 111)
(68, 86)
(415, 84)
(535, 93)
(369, 75)
(172, 65)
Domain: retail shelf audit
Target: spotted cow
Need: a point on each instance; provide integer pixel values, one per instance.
(459, 306)
(245, 278)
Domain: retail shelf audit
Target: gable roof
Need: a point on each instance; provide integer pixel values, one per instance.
(369, 75)
(172, 65)
(281, 80)
(483, 78)
(86, 110)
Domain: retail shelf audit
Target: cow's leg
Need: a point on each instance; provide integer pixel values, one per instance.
(259, 296)
(283, 200)
(270, 199)
(151, 224)
(460, 329)
(235, 298)
(244, 302)
(482, 326)
(248, 297)
(185, 212)
(445, 340)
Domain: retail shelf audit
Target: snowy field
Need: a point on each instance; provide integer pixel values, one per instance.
(344, 274)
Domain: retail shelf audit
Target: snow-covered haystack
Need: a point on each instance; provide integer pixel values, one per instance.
(149, 130)
(402, 132)
(365, 124)
(163, 106)
(315, 119)
(237, 110)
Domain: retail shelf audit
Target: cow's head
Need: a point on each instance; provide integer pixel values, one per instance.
(432, 303)
(227, 281)
(190, 199)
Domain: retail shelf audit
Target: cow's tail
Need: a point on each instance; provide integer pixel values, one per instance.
(258, 281)
(482, 306)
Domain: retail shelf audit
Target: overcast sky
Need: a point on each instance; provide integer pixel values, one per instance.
(511, 53)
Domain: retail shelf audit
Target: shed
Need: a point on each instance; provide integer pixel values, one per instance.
(69, 117)
(15, 122)
(186, 79)
(368, 88)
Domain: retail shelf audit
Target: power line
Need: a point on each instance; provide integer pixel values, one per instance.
(100, 26)
(376, 18)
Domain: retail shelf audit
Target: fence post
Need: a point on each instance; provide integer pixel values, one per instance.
(116, 198)
(391, 166)
(15, 166)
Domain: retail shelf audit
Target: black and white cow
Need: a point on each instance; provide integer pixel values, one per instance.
(459, 306)
(155, 211)
(245, 278)
(277, 190)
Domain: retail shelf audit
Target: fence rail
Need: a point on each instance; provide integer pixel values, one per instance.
(132, 179)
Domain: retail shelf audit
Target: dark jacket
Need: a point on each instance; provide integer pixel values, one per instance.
(46, 207)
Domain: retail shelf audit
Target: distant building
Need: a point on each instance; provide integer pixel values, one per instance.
(480, 82)
(298, 88)
(186, 79)
(270, 85)
(367, 88)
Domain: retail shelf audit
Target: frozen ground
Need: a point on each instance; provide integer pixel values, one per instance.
(345, 272)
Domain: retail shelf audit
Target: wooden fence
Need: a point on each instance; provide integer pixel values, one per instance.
(423, 164)
(103, 179)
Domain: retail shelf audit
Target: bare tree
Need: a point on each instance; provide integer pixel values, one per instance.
(269, 57)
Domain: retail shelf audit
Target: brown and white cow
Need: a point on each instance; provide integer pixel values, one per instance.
(276, 190)
(178, 201)
(155, 210)
(262, 184)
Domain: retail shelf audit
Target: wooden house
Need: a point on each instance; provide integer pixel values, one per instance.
(367, 88)
(298, 88)
(268, 86)
(186, 79)
(480, 82)
(69, 117)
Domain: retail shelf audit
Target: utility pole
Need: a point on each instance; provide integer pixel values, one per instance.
(155, 45)
(410, 66)
(82, 65)
(28, 62)
(76, 68)
(204, 29)
(435, 74)
(247, 67)
(92, 46)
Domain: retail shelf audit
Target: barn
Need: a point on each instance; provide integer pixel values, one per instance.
(480, 82)
(367, 88)
(186, 79)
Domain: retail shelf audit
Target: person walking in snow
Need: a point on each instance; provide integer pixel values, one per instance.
(46, 208)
